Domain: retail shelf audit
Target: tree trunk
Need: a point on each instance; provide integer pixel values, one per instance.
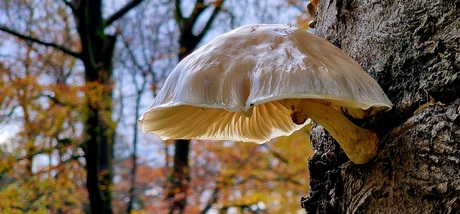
(97, 53)
(97, 49)
(98, 146)
(179, 178)
(412, 48)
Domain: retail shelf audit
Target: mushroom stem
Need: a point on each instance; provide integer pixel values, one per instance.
(359, 144)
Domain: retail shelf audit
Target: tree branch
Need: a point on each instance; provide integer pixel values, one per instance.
(178, 13)
(199, 8)
(69, 5)
(212, 200)
(276, 154)
(120, 13)
(57, 101)
(47, 44)
(217, 7)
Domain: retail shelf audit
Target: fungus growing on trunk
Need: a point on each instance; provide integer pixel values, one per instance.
(259, 82)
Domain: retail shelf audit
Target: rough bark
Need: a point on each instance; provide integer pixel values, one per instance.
(412, 48)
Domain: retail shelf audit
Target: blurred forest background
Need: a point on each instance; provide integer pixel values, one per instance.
(74, 77)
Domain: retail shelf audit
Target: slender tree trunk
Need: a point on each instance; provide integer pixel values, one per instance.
(412, 48)
(179, 178)
(132, 193)
(132, 181)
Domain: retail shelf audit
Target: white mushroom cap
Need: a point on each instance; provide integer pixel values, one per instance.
(230, 88)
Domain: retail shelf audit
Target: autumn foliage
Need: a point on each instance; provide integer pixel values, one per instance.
(230, 175)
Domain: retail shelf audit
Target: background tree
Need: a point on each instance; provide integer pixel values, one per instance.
(95, 49)
(190, 36)
(412, 49)
(189, 39)
(145, 57)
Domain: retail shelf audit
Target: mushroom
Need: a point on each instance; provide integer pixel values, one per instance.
(259, 82)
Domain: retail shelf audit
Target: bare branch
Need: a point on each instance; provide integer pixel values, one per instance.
(178, 12)
(57, 101)
(212, 200)
(276, 154)
(120, 13)
(136, 63)
(69, 5)
(282, 178)
(217, 7)
(199, 8)
(35, 40)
